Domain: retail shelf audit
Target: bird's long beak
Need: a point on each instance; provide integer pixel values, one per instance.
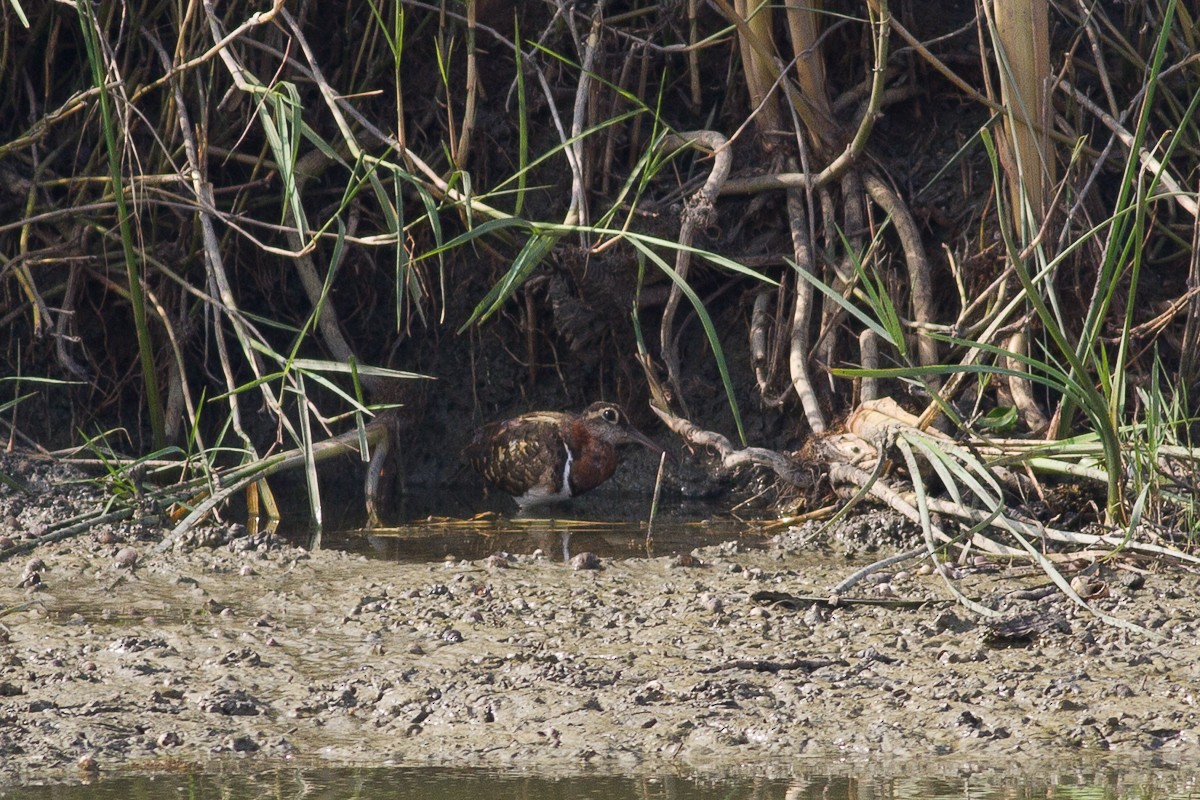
(634, 436)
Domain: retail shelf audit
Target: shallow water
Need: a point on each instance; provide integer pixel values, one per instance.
(445, 526)
(836, 783)
(435, 540)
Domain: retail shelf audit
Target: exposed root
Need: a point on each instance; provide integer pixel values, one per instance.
(733, 457)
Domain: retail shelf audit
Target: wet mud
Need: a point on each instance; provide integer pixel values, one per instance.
(114, 655)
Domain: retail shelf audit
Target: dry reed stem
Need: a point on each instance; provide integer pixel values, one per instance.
(462, 150)
(699, 211)
(762, 357)
(1022, 41)
(802, 251)
(1150, 165)
(920, 282)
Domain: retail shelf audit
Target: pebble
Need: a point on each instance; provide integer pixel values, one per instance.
(500, 560)
(585, 560)
(240, 744)
(169, 739)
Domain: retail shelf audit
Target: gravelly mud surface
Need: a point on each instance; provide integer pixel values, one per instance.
(126, 657)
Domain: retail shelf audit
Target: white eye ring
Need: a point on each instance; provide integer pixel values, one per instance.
(611, 415)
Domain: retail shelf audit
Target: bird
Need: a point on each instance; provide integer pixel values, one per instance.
(546, 456)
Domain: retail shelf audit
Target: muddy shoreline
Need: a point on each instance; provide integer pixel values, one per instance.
(129, 658)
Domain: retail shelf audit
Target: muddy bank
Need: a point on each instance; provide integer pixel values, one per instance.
(126, 656)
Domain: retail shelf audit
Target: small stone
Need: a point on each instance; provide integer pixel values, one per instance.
(947, 620)
(652, 692)
(87, 763)
(169, 739)
(816, 615)
(1132, 580)
(585, 560)
(500, 560)
(241, 744)
(126, 558)
(247, 571)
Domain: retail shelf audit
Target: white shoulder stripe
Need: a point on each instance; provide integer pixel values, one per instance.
(566, 491)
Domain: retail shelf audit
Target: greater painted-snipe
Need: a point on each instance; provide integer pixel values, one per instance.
(552, 455)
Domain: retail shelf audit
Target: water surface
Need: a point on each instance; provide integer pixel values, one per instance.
(445, 525)
(837, 782)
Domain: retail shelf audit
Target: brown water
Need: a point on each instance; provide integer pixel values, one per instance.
(439, 526)
(558, 539)
(836, 783)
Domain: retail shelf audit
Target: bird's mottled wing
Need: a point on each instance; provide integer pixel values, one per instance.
(520, 453)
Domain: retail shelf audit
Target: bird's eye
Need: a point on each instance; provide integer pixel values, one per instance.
(610, 415)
